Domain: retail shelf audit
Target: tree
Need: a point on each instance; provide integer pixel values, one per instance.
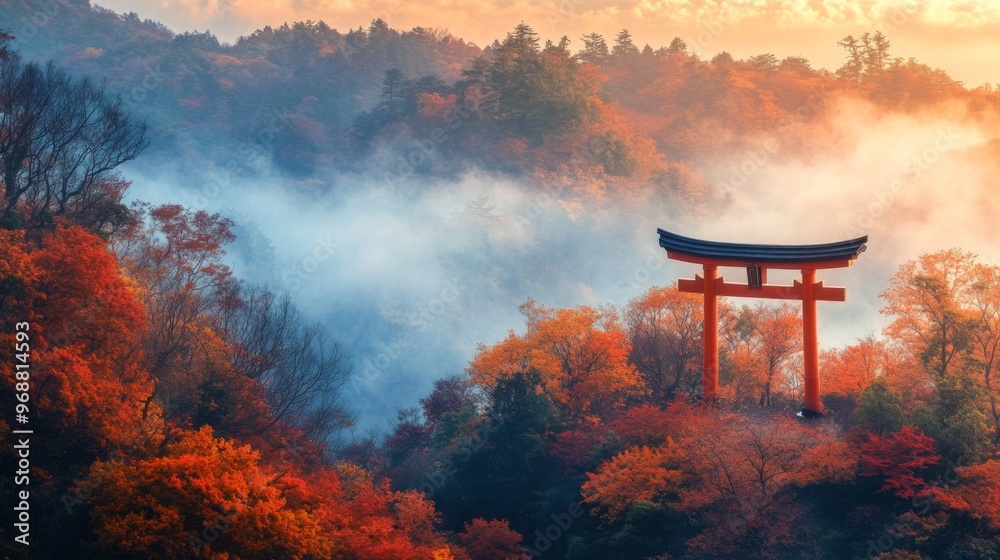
(60, 141)
(392, 87)
(898, 459)
(741, 470)
(163, 508)
(677, 47)
(538, 92)
(764, 63)
(4, 39)
(985, 301)
(523, 41)
(853, 68)
(450, 394)
(664, 327)
(88, 326)
(491, 540)
(779, 332)
(876, 53)
(624, 46)
(504, 472)
(977, 492)
(176, 258)
(580, 354)
(300, 370)
(849, 371)
(925, 300)
(879, 409)
(637, 474)
(595, 49)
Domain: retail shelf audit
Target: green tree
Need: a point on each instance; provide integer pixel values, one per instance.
(624, 46)
(595, 49)
(880, 410)
(502, 472)
(538, 92)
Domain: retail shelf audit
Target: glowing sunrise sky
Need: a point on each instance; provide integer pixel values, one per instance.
(960, 37)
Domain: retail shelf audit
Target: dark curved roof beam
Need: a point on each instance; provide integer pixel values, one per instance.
(824, 255)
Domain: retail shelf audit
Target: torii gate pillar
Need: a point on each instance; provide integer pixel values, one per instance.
(757, 259)
(710, 349)
(810, 343)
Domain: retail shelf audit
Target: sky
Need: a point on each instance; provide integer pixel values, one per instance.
(960, 37)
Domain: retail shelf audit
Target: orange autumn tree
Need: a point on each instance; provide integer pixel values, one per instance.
(639, 473)
(779, 332)
(581, 354)
(744, 473)
(946, 316)
(200, 496)
(381, 524)
(985, 303)
(850, 370)
(734, 471)
(927, 300)
(760, 343)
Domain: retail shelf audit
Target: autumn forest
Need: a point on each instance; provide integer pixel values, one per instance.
(186, 392)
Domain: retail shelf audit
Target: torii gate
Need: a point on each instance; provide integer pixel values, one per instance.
(757, 259)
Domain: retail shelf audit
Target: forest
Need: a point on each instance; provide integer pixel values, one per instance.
(180, 411)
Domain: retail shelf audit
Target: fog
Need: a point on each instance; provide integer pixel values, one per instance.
(411, 276)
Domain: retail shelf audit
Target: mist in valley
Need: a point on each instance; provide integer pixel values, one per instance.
(410, 274)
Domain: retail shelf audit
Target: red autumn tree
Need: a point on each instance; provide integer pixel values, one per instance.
(898, 459)
(491, 540)
(86, 327)
(977, 492)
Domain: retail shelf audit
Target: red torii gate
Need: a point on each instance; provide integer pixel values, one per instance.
(757, 259)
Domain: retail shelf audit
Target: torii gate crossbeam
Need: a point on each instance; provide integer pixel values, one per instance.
(757, 259)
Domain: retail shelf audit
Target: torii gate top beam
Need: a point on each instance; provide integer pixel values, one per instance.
(825, 255)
